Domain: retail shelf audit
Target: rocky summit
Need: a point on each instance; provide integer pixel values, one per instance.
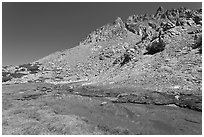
(139, 76)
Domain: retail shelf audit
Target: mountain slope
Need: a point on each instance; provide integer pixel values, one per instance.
(161, 52)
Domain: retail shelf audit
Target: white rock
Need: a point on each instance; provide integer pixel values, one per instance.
(177, 97)
(176, 87)
(103, 103)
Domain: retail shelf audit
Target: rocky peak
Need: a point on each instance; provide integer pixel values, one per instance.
(159, 11)
(119, 22)
(106, 32)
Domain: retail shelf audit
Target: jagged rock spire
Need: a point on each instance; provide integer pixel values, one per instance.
(119, 22)
(160, 11)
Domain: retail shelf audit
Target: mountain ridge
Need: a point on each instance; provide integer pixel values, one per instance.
(159, 51)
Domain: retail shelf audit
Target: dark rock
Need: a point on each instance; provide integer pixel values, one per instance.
(179, 22)
(198, 19)
(144, 33)
(190, 101)
(198, 43)
(155, 47)
(126, 59)
(7, 78)
(153, 25)
(167, 25)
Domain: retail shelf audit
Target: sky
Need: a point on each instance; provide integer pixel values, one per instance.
(31, 30)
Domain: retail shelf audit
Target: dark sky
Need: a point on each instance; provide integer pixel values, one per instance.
(31, 31)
